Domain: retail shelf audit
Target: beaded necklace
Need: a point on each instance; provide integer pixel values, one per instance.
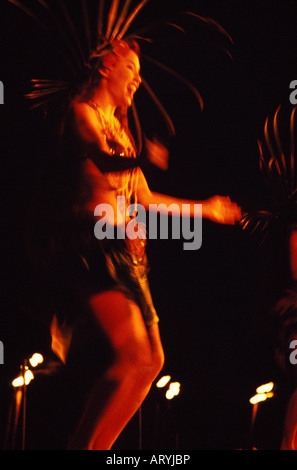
(119, 143)
(116, 137)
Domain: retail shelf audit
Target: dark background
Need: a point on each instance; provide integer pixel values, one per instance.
(214, 303)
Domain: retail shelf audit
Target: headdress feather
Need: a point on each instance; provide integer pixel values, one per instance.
(130, 19)
(111, 17)
(120, 20)
(160, 107)
(100, 20)
(111, 26)
(178, 76)
(278, 168)
(86, 20)
(74, 34)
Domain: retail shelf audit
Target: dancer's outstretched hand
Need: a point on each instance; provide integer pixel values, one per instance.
(222, 210)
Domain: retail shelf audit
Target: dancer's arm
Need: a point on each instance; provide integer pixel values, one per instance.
(217, 208)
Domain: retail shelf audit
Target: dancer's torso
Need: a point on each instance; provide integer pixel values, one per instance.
(98, 188)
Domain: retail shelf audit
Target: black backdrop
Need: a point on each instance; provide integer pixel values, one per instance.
(214, 303)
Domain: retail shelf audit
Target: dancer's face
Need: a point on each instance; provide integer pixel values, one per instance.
(123, 75)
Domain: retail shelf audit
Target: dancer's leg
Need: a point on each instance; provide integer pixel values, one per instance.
(117, 395)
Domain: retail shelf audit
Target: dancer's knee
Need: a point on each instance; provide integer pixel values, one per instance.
(133, 360)
(122, 323)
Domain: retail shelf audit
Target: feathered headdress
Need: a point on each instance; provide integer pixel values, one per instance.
(89, 31)
(277, 162)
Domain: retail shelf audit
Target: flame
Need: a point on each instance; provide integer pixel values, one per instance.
(173, 391)
(36, 359)
(163, 381)
(257, 398)
(266, 388)
(261, 397)
(19, 381)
